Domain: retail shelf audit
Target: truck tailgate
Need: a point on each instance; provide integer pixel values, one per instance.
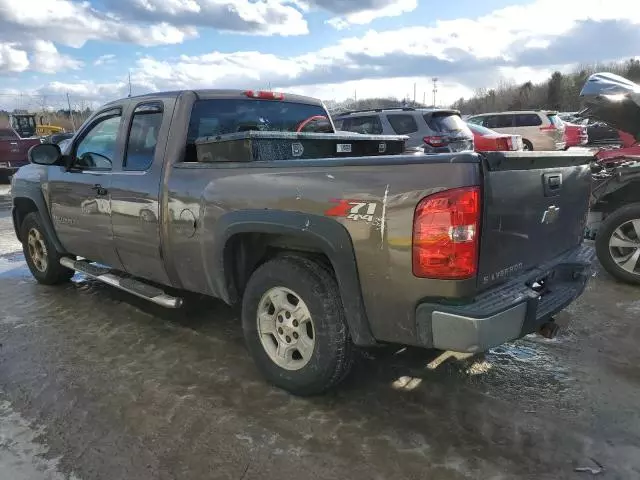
(535, 208)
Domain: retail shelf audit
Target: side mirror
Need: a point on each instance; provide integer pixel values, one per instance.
(45, 154)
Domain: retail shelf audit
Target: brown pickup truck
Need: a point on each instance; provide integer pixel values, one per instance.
(13, 151)
(326, 240)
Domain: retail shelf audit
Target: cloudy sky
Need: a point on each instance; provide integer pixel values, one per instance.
(325, 48)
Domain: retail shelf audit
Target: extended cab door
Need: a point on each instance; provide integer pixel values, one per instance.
(135, 190)
(79, 197)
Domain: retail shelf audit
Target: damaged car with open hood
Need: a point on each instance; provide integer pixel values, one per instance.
(614, 220)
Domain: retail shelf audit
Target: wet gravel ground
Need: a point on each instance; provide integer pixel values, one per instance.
(95, 384)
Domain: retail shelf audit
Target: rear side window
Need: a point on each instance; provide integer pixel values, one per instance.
(556, 121)
(143, 137)
(403, 124)
(443, 122)
(7, 134)
(476, 120)
(499, 121)
(528, 120)
(368, 124)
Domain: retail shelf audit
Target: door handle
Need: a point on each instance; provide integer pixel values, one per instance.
(99, 190)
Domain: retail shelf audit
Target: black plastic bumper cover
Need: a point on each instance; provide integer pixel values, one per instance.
(509, 311)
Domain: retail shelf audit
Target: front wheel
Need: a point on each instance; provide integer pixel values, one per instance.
(527, 146)
(618, 244)
(42, 258)
(294, 326)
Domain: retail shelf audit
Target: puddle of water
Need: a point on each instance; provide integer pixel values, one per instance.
(12, 265)
(22, 457)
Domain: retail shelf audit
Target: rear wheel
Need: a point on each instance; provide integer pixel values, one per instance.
(527, 145)
(294, 326)
(42, 258)
(618, 244)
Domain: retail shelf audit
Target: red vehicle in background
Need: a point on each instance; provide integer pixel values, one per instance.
(487, 140)
(575, 135)
(13, 151)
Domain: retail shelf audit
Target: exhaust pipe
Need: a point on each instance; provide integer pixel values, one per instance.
(549, 329)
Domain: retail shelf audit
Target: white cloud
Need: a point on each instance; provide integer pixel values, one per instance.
(523, 42)
(12, 59)
(372, 10)
(104, 60)
(256, 17)
(73, 24)
(47, 59)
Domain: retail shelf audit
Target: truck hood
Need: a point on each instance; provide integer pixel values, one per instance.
(613, 99)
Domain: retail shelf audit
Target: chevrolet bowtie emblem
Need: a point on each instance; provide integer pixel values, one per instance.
(550, 215)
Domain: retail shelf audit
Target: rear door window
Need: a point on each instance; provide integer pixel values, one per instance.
(403, 124)
(476, 120)
(528, 120)
(445, 122)
(366, 124)
(499, 121)
(143, 137)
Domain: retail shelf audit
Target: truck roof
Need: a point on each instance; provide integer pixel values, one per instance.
(207, 94)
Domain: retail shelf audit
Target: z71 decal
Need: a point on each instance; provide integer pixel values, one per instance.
(353, 210)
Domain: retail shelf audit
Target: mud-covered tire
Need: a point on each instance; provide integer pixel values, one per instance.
(332, 355)
(51, 273)
(604, 236)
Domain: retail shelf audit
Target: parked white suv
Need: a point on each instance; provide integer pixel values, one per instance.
(540, 129)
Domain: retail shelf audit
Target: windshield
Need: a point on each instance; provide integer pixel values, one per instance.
(444, 122)
(24, 125)
(219, 117)
(480, 130)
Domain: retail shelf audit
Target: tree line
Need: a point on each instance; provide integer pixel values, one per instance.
(560, 92)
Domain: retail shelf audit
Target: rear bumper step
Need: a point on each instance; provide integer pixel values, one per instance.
(129, 285)
(509, 311)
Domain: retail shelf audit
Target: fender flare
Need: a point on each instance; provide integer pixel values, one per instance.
(35, 197)
(331, 237)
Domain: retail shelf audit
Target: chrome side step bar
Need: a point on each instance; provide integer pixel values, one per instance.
(129, 285)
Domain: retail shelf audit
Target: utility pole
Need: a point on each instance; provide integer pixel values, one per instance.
(435, 89)
(73, 124)
(129, 83)
(355, 96)
(424, 98)
(414, 93)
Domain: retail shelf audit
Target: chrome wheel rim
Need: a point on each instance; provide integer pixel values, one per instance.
(624, 246)
(37, 250)
(285, 328)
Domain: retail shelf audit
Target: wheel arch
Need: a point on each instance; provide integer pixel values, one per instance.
(23, 205)
(245, 239)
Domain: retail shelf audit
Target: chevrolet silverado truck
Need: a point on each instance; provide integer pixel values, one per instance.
(325, 254)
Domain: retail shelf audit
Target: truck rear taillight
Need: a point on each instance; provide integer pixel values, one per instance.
(435, 141)
(446, 229)
(264, 95)
(504, 144)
